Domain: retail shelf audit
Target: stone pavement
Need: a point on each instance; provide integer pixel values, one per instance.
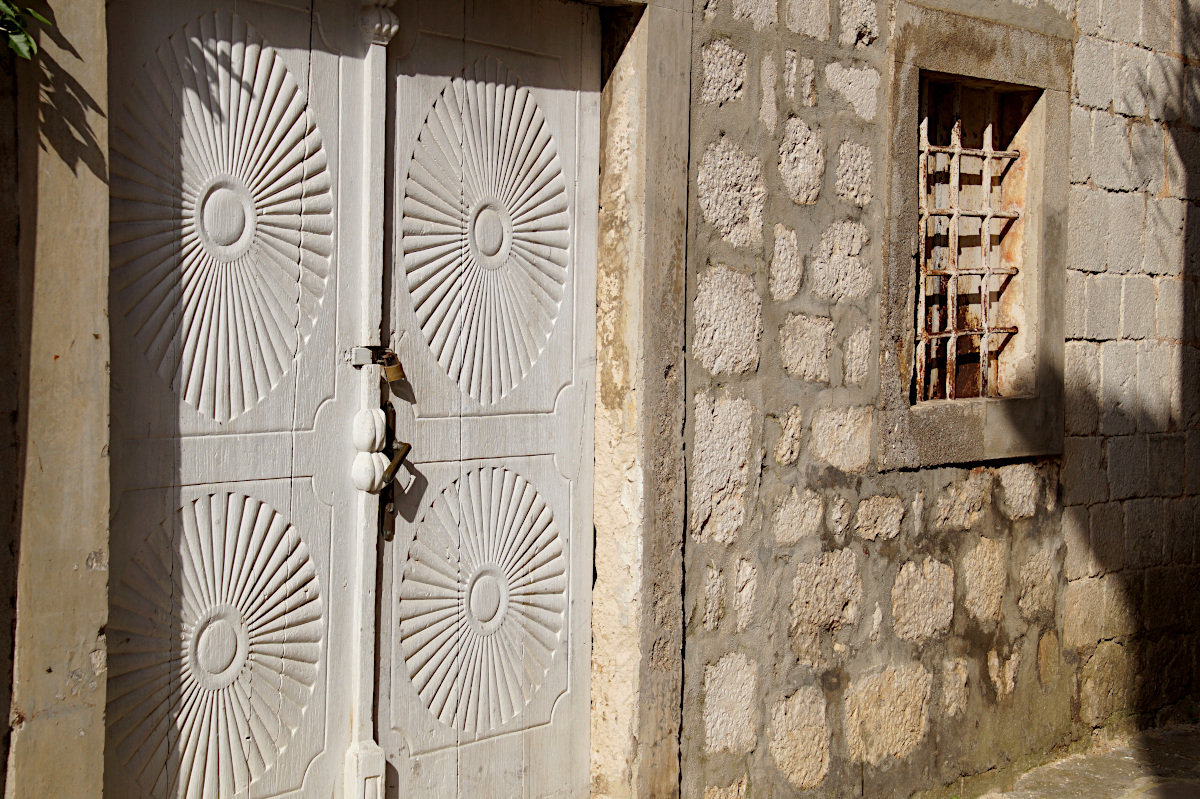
(1155, 765)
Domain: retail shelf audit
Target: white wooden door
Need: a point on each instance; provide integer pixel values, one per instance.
(485, 639)
(237, 243)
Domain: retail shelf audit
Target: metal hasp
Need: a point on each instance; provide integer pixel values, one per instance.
(393, 370)
(400, 454)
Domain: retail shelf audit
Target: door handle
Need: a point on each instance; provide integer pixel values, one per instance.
(399, 455)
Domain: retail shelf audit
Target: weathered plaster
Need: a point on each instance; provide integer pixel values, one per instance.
(57, 713)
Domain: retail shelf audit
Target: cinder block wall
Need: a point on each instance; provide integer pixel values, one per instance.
(857, 632)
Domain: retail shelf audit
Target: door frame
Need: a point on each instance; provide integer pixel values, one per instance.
(637, 598)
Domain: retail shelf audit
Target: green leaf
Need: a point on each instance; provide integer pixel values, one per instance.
(22, 45)
(37, 16)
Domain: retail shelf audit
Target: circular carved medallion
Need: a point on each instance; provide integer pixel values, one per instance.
(486, 231)
(222, 215)
(215, 636)
(482, 600)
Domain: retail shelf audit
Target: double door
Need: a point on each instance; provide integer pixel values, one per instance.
(282, 624)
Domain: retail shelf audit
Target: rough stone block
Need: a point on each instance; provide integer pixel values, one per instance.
(1156, 33)
(768, 110)
(761, 13)
(858, 21)
(1138, 300)
(731, 704)
(886, 714)
(804, 343)
(1147, 145)
(1102, 314)
(1083, 477)
(802, 161)
(1039, 584)
(828, 594)
(745, 584)
(1083, 612)
(1192, 462)
(1169, 311)
(1003, 672)
(714, 598)
(954, 686)
(859, 87)
(1106, 529)
(879, 518)
(923, 600)
(1180, 539)
(1081, 381)
(1127, 227)
(1154, 386)
(1164, 236)
(798, 517)
(787, 448)
(1118, 387)
(1022, 484)
(1185, 403)
(1128, 466)
(1122, 21)
(837, 270)
(854, 173)
(736, 790)
(1182, 156)
(1123, 599)
(1078, 563)
(809, 17)
(1107, 684)
(984, 575)
(722, 466)
(1093, 72)
(1164, 77)
(1087, 16)
(1112, 155)
(1076, 300)
(1145, 523)
(724, 72)
(962, 503)
(856, 357)
(728, 318)
(732, 193)
(799, 737)
(1130, 80)
(1086, 227)
(787, 267)
(1081, 144)
(1191, 100)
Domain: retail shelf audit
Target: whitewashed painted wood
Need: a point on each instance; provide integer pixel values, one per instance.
(485, 638)
(238, 552)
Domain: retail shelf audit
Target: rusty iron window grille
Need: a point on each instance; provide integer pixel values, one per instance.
(964, 267)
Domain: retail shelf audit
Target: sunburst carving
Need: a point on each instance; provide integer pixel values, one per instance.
(486, 231)
(215, 636)
(222, 215)
(482, 600)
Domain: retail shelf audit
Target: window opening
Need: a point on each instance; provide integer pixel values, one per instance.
(972, 193)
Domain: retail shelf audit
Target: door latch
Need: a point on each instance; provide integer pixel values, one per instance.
(393, 370)
(400, 452)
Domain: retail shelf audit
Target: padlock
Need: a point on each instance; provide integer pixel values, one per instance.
(393, 370)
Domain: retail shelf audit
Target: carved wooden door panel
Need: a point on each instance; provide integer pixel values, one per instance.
(234, 211)
(484, 640)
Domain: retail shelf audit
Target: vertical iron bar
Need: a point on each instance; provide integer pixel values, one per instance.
(952, 287)
(922, 323)
(985, 242)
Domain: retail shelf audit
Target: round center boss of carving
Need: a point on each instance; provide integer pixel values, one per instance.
(226, 219)
(487, 599)
(490, 234)
(489, 231)
(217, 647)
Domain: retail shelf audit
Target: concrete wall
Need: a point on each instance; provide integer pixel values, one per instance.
(57, 712)
(853, 631)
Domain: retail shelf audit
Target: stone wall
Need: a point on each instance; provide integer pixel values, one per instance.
(859, 632)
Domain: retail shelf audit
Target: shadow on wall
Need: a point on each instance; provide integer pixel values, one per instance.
(41, 89)
(1131, 466)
